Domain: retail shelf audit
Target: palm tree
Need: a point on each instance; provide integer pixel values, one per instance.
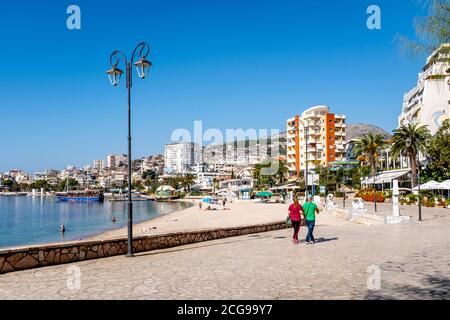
(282, 172)
(368, 147)
(188, 181)
(409, 140)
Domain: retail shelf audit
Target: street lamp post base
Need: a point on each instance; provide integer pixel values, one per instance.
(130, 255)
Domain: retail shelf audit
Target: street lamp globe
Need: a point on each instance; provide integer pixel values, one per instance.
(142, 67)
(114, 75)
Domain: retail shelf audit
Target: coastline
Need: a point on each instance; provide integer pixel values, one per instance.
(87, 236)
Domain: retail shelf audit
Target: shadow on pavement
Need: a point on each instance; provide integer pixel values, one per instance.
(436, 288)
(190, 246)
(319, 240)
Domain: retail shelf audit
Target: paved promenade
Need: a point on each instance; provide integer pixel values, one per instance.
(412, 260)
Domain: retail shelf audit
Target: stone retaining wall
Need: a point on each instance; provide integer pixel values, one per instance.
(40, 256)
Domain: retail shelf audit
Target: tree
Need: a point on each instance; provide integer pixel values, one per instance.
(432, 30)
(282, 172)
(137, 185)
(38, 184)
(69, 182)
(263, 180)
(188, 181)
(149, 174)
(410, 140)
(152, 185)
(8, 183)
(175, 181)
(233, 176)
(327, 178)
(24, 186)
(438, 152)
(369, 147)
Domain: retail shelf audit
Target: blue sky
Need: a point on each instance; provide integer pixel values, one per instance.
(232, 64)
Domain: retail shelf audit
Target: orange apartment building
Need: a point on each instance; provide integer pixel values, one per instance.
(325, 140)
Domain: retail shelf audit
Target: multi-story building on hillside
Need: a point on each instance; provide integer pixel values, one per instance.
(180, 157)
(314, 138)
(428, 102)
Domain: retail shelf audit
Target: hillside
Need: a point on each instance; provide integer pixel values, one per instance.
(356, 130)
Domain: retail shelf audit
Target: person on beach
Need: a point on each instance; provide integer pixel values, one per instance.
(199, 205)
(310, 209)
(295, 214)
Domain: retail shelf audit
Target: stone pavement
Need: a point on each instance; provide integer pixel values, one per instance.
(413, 261)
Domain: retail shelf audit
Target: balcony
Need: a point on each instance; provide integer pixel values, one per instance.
(290, 152)
(314, 133)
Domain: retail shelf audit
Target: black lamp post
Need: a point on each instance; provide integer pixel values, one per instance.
(416, 159)
(418, 195)
(142, 65)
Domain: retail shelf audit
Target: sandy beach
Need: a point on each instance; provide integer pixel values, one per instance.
(238, 213)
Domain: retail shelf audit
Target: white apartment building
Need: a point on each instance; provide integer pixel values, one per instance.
(428, 102)
(238, 154)
(111, 161)
(99, 164)
(115, 160)
(181, 156)
(325, 133)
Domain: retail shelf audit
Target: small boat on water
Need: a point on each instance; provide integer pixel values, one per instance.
(7, 193)
(80, 196)
(124, 197)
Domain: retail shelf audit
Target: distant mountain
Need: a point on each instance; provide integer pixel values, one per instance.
(356, 130)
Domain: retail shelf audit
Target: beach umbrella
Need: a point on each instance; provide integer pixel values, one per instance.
(430, 185)
(264, 194)
(206, 200)
(433, 185)
(445, 185)
(165, 188)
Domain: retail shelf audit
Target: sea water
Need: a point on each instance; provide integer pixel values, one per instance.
(27, 220)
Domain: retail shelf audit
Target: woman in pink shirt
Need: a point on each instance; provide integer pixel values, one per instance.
(295, 213)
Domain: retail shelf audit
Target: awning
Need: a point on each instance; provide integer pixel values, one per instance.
(385, 177)
(344, 163)
(286, 187)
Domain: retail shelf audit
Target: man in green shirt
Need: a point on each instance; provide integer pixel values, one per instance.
(310, 209)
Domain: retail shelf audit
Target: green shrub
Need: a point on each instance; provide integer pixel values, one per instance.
(387, 194)
(447, 202)
(411, 198)
(339, 194)
(430, 203)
